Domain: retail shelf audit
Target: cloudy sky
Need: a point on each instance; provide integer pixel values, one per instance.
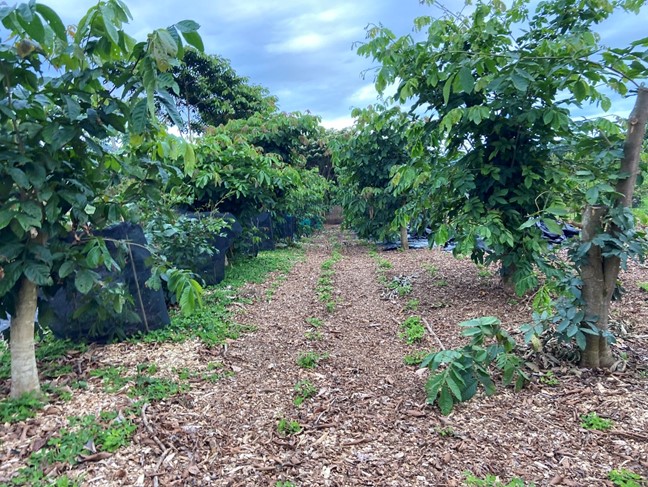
(302, 50)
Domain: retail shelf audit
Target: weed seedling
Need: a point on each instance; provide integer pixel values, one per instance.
(415, 358)
(440, 283)
(447, 431)
(413, 330)
(548, 378)
(431, 269)
(287, 427)
(309, 360)
(626, 478)
(313, 336)
(314, 322)
(412, 305)
(303, 390)
(593, 421)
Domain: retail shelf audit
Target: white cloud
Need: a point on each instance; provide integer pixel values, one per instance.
(337, 123)
(367, 94)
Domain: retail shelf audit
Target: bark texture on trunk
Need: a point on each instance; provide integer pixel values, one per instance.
(599, 274)
(24, 374)
(403, 238)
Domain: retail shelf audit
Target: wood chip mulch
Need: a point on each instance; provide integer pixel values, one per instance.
(369, 424)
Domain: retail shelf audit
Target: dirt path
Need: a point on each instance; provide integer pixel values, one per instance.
(368, 423)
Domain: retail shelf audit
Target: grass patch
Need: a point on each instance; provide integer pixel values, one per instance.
(324, 288)
(84, 436)
(212, 323)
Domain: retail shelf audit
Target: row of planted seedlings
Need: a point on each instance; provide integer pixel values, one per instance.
(68, 368)
(305, 389)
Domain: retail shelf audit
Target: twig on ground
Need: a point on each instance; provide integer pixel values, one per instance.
(436, 337)
(150, 430)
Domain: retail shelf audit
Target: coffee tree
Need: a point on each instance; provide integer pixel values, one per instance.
(363, 159)
(496, 88)
(78, 107)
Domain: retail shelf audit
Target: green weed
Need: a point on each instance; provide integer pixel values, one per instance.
(413, 330)
(447, 431)
(213, 323)
(287, 427)
(440, 283)
(313, 335)
(303, 390)
(626, 478)
(106, 433)
(415, 358)
(113, 378)
(592, 421)
(314, 322)
(548, 378)
(310, 360)
(21, 408)
(431, 269)
(412, 305)
(492, 481)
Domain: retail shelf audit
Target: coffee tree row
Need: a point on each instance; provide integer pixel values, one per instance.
(83, 146)
(494, 144)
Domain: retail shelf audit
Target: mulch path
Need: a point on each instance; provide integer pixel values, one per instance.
(369, 423)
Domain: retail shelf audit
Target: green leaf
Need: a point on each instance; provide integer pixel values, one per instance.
(54, 21)
(189, 159)
(66, 269)
(186, 26)
(558, 210)
(139, 116)
(39, 274)
(520, 83)
(580, 90)
(84, 280)
(445, 401)
(72, 107)
(194, 39)
(553, 227)
(447, 87)
(108, 21)
(464, 81)
(6, 216)
(592, 195)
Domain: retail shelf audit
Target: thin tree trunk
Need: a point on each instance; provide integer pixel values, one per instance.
(403, 237)
(599, 273)
(599, 281)
(24, 374)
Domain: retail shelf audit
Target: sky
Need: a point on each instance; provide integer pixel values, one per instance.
(303, 50)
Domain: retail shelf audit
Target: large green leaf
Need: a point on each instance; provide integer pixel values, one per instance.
(139, 116)
(39, 274)
(54, 21)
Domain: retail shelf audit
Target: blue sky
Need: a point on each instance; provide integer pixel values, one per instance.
(301, 50)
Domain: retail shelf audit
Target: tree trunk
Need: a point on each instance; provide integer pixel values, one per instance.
(24, 374)
(403, 237)
(599, 274)
(599, 277)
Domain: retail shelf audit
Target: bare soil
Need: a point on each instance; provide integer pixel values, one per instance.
(369, 423)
